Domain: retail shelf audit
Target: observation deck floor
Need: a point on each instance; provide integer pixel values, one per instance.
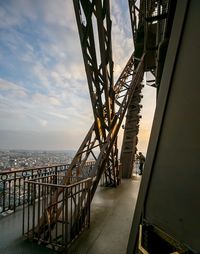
(111, 218)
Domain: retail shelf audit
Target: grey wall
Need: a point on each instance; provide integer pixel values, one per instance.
(173, 197)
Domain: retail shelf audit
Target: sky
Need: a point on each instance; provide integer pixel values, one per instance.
(44, 97)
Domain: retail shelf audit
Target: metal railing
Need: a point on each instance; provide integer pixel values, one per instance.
(56, 214)
(13, 192)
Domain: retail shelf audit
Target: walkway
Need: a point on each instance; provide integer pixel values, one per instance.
(111, 217)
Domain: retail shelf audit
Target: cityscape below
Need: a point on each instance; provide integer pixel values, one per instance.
(25, 159)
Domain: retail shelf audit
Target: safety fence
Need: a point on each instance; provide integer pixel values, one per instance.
(13, 191)
(56, 214)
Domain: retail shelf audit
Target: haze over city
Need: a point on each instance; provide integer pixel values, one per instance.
(44, 98)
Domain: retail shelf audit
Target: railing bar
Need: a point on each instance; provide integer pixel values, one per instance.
(59, 185)
(71, 214)
(39, 211)
(56, 173)
(32, 174)
(63, 212)
(89, 202)
(23, 211)
(47, 198)
(76, 212)
(66, 219)
(28, 207)
(14, 191)
(79, 208)
(56, 212)
(43, 199)
(81, 201)
(19, 186)
(4, 194)
(86, 207)
(31, 169)
(43, 205)
(83, 206)
(9, 193)
(33, 200)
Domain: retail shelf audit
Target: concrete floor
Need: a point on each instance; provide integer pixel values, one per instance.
(111, 218)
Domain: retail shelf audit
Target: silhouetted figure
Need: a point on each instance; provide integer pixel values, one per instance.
(141, 159)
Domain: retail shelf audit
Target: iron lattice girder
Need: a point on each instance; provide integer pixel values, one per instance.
(125, 91)
(130, 139)
(133, 16)
(137, 77)
(90, 142)
(93, 17)
(125, 87)
(100, 80)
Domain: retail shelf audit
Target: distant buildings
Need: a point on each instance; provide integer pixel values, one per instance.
(24, 159)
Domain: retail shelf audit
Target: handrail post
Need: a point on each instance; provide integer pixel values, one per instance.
(14, 205)
(4, 195)
(56, 175)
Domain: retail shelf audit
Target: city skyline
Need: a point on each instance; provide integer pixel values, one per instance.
(44, 97)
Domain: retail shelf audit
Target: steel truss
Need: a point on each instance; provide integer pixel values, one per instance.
(93, 18)
(148, 21)
(129, 80)
(126, 86)
(130, 139)
(109, 103)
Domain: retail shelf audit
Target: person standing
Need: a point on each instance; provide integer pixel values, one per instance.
(141, 159)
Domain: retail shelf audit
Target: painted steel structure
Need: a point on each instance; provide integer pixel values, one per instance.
(94, 17)
(166, 218)
(109, 102)
(151, 22)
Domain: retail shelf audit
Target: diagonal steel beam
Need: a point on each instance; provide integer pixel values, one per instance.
(137, 77)
(120, 88)
(93, 18)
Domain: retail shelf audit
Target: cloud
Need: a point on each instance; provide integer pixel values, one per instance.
(15, 90)
(59, 115)
(121, 36)
(5, 21)
(41, 74)
(43, 139)
(43, 122)
(42, 99)
(14, 13)
(58, 13)
(46, 61)
(42, 77)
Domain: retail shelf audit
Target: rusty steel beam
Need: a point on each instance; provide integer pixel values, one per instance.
(93, 18)
(148, 37)
(109, 102)
(123, 101)
(130, 139)
(90, 142)
(124, 88)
